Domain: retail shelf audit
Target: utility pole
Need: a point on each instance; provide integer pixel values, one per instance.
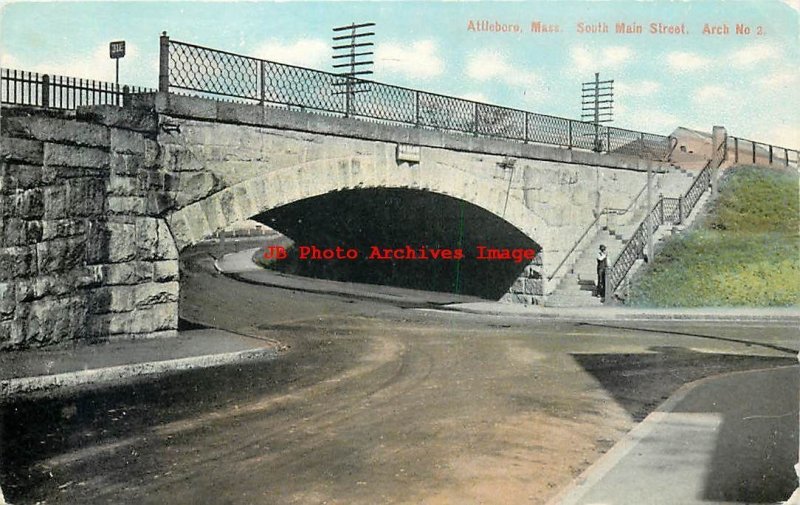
(597, 106)
(354, 64)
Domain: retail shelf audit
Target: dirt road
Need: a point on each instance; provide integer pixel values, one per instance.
(369, 404)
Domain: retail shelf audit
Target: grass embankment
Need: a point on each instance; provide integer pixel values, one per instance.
(746, 252)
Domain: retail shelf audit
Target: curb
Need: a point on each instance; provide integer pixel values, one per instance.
(787, 319)
(11, 389)
(579, 486)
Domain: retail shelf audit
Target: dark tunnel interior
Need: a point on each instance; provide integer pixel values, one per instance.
(396, 218)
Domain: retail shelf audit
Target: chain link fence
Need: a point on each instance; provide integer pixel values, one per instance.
(212, 72)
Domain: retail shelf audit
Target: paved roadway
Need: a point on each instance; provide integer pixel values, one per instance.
(725, 439)
(372, 403)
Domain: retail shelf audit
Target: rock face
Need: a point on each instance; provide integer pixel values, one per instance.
(96, 204)
(83, 251)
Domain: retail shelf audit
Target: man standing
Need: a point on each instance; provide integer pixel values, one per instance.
(602, 263)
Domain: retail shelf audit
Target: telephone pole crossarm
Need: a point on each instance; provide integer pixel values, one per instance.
(597, 106)
(349, 60)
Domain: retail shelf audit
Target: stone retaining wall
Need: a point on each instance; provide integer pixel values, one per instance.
(83, 253)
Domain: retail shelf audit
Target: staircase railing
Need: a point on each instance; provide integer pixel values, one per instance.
(634, 248)
(620, 212)
(696, 190)
(605, 212)
(666, 210)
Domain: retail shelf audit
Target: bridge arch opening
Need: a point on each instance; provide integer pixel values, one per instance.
(372, 219)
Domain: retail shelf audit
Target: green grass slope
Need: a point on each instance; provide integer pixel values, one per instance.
(746, 252)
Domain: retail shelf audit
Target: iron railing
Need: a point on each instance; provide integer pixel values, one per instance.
(696, 190)
(634, 247)
(19, 87)
(666, 210)
(574, 248)
(761, 153)
(211, 72)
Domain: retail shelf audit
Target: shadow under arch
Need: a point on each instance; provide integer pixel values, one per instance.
(369, 220)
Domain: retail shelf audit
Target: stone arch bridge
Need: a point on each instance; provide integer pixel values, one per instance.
(98, 204)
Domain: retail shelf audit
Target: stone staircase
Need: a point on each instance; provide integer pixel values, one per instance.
(576, 288)
(677, 180)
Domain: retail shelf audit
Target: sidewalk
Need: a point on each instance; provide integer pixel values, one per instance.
(726, 439)
(789, 315)
(37, 371)
(241, 266)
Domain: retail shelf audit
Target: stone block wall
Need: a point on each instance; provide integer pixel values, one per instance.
(83, 251)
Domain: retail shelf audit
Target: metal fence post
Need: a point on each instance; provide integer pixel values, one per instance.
(347, 92)
(736, 149)
(526, 127)
(724, 156)
(45, 90)
(642, 146)
(475, 118)
(263, 88)
(163, 63)
(608, 140)
(754, 152)
(785, 157)
(606, 287)
(416, 108)
(569, 122)
(770, 154)
(660, 209)
(680, 209)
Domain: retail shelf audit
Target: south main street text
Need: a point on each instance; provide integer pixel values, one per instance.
(619, 27)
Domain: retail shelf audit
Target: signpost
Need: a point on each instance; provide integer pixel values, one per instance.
(116, 50)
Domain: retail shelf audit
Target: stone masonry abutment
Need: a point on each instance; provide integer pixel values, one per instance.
(97, 204)
(84, 253)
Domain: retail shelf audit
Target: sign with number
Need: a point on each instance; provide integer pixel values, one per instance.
(117, 49)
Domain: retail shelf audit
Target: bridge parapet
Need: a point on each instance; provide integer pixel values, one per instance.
(206, 109)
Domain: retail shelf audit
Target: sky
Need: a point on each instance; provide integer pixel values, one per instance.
(747, 82)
